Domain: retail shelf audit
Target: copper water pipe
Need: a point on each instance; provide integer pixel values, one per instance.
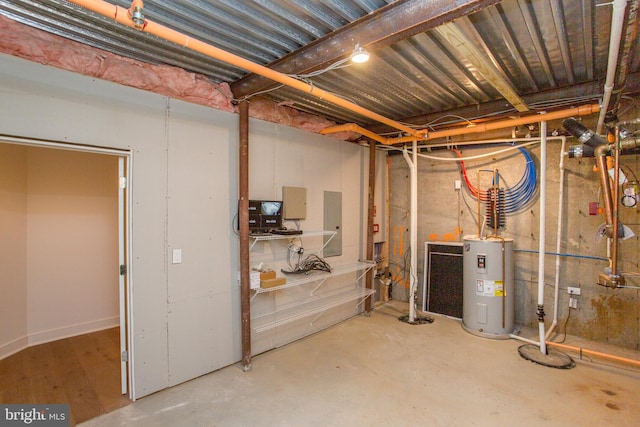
(614, 210)
(495, 236)
(504, 278)
(122, 16)
(583, 110)
(495, 205)
(601, 153)
(479, 222)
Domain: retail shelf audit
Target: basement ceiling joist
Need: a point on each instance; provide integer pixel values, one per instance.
(566, 97)
(547, 51)
(390, 24)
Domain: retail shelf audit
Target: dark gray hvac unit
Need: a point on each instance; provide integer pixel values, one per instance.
(443, 278)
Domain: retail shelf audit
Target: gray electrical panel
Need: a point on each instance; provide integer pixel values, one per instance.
(333, 222)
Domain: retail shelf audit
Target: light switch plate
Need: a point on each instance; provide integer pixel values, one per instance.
(177, 256)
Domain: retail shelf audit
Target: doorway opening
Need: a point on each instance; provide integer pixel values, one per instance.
(66, 221)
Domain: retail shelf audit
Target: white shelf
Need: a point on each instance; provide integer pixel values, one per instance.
(265, 237)
(302, 307)
(301, 279)
(319, 306)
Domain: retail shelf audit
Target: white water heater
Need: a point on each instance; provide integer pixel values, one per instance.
(488, 294)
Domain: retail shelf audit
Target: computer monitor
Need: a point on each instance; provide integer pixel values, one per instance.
(265, 215)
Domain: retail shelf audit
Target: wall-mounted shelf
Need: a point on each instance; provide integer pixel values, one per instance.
(266, 237)
(320, 276)
(317, 307)
(305, 297)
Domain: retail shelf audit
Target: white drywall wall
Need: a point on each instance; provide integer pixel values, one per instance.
(186, 317)
(72, 243)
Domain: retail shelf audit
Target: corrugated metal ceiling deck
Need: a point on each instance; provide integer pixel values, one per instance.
(553, 47)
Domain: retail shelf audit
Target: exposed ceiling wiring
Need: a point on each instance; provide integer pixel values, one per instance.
(479, 156)
(306, 77)
(540, 105)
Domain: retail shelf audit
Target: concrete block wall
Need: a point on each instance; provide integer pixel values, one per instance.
(605, 315)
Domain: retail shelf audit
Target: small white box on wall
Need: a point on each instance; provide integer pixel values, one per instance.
(254, 279)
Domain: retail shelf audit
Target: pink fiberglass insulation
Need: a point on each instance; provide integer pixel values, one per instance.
(39, 46)
(263, 109)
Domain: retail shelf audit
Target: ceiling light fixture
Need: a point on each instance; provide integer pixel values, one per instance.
(359, 55)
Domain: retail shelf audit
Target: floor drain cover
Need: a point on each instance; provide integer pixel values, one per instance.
(416, 320)
(553, 358)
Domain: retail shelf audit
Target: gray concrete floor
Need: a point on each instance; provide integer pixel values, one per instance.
(377, 371)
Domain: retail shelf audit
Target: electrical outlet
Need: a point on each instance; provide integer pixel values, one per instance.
(573, 302)
(573, 291)
(457, 184)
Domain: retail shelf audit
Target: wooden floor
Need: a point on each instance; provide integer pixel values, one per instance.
(82, 371)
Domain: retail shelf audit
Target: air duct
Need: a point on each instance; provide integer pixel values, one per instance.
(580, 131)
(594, 145)
(613, 228)
(589, 139)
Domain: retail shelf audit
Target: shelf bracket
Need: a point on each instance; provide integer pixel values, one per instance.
(318, 286)
(253, 244)
(327, 242)
(317, 317)
(255, 294)
(366, 270)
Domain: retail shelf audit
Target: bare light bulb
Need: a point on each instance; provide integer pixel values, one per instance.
(359, 55)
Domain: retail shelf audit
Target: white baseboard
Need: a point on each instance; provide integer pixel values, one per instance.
(12, 347)
(73, 330)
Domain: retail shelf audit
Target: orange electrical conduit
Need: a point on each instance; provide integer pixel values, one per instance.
(595, 353)
(124, 17)
(583, 110)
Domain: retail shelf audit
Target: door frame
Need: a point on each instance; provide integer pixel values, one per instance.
(125, 165)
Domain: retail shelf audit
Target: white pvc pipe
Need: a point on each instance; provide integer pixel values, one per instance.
(413, 227)
(542, 231)
(617, 18)
(558, 241)
(475, 142)
(518, 337)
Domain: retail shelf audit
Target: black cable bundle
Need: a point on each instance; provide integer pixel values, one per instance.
(310, 263)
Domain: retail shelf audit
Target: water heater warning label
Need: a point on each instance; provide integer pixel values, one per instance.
(489, 288)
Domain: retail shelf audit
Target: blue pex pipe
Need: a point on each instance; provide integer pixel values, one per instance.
(518, 196)
(565, 255)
